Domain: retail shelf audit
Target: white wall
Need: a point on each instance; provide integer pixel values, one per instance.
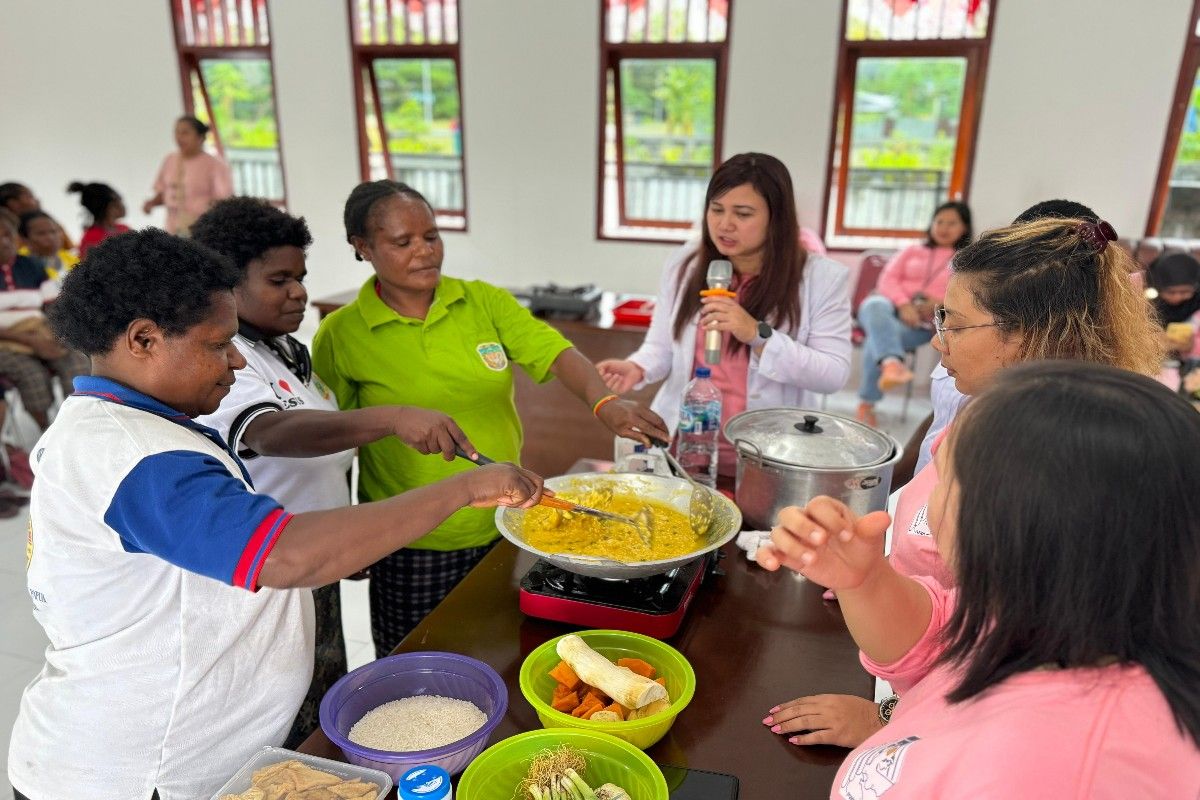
(1077, 100)
(1077, 97)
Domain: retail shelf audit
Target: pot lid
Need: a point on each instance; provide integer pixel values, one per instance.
(802, 438)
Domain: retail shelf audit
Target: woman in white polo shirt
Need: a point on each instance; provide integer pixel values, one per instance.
(268, 247)
(163, 673)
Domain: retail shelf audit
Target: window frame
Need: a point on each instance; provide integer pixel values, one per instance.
(189, 56)
(1189, 65)
(362, 64)
(611, 56)
(976, 52)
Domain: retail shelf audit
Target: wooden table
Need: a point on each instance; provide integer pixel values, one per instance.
(754, 639)
(550, 415)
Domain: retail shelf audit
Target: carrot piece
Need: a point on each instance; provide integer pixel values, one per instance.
(638, 666)
(623, 711)
(585, 709)
(566, 704)
(565, 675)
(563, 691)
(616, 709)
(661, 682)
(596, 697)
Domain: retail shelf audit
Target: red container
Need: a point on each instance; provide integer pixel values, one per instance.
(634, 312)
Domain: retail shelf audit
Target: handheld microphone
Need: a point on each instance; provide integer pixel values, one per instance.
(720, 275)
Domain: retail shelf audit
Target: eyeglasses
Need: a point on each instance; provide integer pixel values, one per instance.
(939, 325)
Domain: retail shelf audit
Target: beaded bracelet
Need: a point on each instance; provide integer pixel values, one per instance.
(599, 404)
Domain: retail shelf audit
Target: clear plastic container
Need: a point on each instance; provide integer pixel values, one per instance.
(274, 755)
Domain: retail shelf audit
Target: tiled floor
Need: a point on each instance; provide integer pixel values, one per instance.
(22, 640)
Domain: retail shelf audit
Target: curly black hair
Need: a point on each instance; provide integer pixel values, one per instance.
(146, 274)
(245, 228)
(356, 214)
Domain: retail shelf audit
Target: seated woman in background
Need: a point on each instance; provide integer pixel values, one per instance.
(105, 207)
(29, 354)
(302, 456)
(899, 316)
(20, 199)
(1066, 661)
(189, 180)
(787, 333)
(43, 238)
(1049, 289)
(415, 337)
(1174, 281)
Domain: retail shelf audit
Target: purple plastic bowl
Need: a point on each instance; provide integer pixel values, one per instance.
(409, 675)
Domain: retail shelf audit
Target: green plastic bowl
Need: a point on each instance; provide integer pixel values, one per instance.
(538, 686)
(497, 772)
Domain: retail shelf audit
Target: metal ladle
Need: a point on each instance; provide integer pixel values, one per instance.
(641, 522)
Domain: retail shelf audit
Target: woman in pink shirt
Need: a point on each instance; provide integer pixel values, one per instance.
(1048, 289)
(1066, 661)
(786, 329)
(189, 180)
(899, 316)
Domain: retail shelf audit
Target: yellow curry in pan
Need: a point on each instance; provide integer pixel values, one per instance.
(568, 533)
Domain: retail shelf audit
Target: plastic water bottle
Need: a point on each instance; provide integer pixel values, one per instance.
(699, 427)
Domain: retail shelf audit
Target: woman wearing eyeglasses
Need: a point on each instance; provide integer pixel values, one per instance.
(1053, 288)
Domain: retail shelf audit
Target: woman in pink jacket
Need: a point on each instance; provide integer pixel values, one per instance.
(899, 317)
(1066, 660)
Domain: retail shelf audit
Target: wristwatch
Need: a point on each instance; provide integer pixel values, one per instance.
(886, 707)
(764, 333)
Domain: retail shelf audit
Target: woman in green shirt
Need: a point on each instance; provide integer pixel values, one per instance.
(415, 337)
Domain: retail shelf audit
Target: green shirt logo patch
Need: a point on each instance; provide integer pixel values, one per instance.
(493, 355)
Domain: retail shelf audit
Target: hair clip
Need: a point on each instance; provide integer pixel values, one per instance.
(1097, 234)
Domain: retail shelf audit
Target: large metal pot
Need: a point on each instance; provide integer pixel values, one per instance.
(788, 456)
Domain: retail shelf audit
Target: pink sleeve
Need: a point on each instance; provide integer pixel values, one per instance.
(919, 661)
(811, 242)
(891, 280)
(160, 180)
(937, 285)
(222, 180)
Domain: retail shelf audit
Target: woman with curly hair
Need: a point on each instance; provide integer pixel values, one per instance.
(300, 457)
(174, 596)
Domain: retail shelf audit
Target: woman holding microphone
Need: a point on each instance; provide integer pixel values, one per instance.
(784, 324)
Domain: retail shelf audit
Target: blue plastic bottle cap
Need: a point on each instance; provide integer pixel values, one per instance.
(639, 448)
(703, 372)
(426, 782)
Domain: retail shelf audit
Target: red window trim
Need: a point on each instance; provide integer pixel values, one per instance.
(189, 56)
(976, 51)
(611, 55)
(1188, 66)
(363, 57)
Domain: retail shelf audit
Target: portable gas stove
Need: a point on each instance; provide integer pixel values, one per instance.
(563, 302)
(654, 605)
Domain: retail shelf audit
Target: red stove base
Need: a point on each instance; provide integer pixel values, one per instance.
(547, 604)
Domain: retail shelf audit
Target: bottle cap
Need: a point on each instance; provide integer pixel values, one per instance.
(639, 448)
(703, 372)
(426, 782)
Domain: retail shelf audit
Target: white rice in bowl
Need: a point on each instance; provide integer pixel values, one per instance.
(417, 723)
